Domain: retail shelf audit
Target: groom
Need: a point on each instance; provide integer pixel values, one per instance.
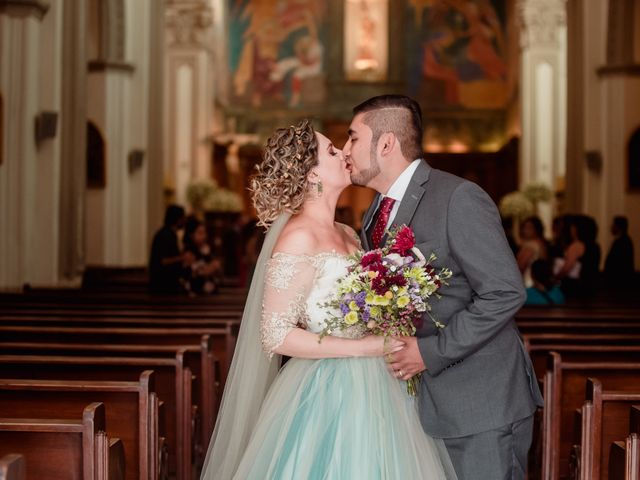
(478, 391)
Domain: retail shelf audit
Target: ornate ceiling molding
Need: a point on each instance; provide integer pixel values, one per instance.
(24, 8)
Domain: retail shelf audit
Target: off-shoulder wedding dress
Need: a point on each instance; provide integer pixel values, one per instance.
(342, 418)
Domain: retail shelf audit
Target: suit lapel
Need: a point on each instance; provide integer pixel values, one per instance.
(366, 221)
(412, 196)
(407, 208)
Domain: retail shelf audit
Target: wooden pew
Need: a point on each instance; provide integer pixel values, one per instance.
(200, 359)
(173, 386)
(12, 467)
(597, 434)
(223, 338)
(226, 296)
(564, 392)
(624, 458)
(131, 412)
(539, 353)
(60, 449)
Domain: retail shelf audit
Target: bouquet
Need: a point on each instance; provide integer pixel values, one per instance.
(386, 291)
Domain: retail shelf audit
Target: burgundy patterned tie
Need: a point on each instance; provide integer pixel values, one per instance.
(381, 222)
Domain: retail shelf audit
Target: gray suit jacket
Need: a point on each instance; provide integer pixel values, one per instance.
(479, 376)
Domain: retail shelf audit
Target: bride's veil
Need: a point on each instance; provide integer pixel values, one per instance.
(249, 379)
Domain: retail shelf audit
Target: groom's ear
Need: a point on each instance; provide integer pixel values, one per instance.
(387, 143)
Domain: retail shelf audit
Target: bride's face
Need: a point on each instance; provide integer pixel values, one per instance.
(332, 168)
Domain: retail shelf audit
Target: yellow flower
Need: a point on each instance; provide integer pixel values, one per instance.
(351, 318)
(389, 294)
(375, 311)
(373, 274)
(380, 300)
(403, 301)
(353, 306)
(369, 298)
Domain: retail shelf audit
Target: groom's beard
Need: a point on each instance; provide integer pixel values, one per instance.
(363, 177)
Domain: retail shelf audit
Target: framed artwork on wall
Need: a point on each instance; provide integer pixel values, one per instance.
(366, 40)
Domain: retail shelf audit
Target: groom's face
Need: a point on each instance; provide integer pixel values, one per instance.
(360, 153)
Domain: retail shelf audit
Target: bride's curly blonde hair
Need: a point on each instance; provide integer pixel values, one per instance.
(280, 183)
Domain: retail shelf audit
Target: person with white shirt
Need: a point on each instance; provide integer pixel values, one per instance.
(478, 391)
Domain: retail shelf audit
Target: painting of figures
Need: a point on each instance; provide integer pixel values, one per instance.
(276, 52)
(457, 53)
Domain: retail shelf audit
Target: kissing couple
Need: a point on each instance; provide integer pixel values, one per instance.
(337, 410)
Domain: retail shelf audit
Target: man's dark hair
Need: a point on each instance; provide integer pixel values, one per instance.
(541, 272)
(173, 215)
(397, 114)
(621, 223)
(537, 225)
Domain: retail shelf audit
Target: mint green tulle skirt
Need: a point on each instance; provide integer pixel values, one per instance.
(337, 419)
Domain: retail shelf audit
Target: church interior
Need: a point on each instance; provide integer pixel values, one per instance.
(119, 116)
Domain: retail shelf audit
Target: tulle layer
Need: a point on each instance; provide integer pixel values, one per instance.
(341, 419)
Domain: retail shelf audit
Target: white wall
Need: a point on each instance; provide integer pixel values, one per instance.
(30, 82)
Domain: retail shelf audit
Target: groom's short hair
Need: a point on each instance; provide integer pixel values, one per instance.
(397, 114)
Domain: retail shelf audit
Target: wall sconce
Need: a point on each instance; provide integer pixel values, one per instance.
(135, 160)
(46, 124)
(593, 159)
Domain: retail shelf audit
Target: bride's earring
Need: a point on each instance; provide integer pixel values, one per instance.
(316, 186)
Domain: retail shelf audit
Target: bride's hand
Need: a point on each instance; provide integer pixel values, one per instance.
(376, 346)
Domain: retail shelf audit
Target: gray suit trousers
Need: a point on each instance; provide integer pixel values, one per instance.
(499, 454)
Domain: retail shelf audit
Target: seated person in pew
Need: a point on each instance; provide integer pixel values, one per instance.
(205, 273)
(544, 290)
(167, 265)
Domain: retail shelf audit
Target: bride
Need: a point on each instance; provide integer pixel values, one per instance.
(333, 411)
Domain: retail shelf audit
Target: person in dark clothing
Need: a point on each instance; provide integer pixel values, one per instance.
(580, 267)
(544, 290)
(166, 263)
(205, 273)
(619, 265)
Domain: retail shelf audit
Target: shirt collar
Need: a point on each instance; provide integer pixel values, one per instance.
(397, 189)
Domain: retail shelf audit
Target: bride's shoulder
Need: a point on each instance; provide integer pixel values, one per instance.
(350, 232)
(297, 239)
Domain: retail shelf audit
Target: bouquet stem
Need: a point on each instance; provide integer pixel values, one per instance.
(412, 385)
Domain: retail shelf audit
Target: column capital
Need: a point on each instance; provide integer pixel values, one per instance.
(189, 23)
(24, 8)
(539, 22)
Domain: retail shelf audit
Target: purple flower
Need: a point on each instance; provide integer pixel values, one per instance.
(344, 308)
(360, 299)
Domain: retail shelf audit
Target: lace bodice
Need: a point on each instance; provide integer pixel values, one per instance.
(296, 286)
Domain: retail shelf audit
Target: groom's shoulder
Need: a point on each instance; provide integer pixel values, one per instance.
(444, 181)
(448, 185)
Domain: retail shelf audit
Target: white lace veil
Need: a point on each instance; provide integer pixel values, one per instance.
(249, 379)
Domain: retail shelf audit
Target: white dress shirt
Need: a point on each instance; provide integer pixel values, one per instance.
(398, 189)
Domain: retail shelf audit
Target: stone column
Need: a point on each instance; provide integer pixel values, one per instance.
(543, 93)
(155, 145)
(189, 92)
(73, 118)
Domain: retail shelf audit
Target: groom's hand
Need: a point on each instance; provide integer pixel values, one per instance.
(407, 362)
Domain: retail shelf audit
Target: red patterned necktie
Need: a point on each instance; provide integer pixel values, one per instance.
(381, 222)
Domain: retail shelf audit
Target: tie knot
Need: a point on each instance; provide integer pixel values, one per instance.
(386, 204)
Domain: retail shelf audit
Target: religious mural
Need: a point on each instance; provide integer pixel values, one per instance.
(457, 53)
(276, 52)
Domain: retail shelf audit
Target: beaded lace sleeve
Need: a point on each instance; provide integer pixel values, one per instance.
(288, 281)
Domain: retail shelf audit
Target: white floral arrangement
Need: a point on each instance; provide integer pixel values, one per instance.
(516, 205)
(223, 200)
(537, 192)
(198, 191)
(205, 195)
